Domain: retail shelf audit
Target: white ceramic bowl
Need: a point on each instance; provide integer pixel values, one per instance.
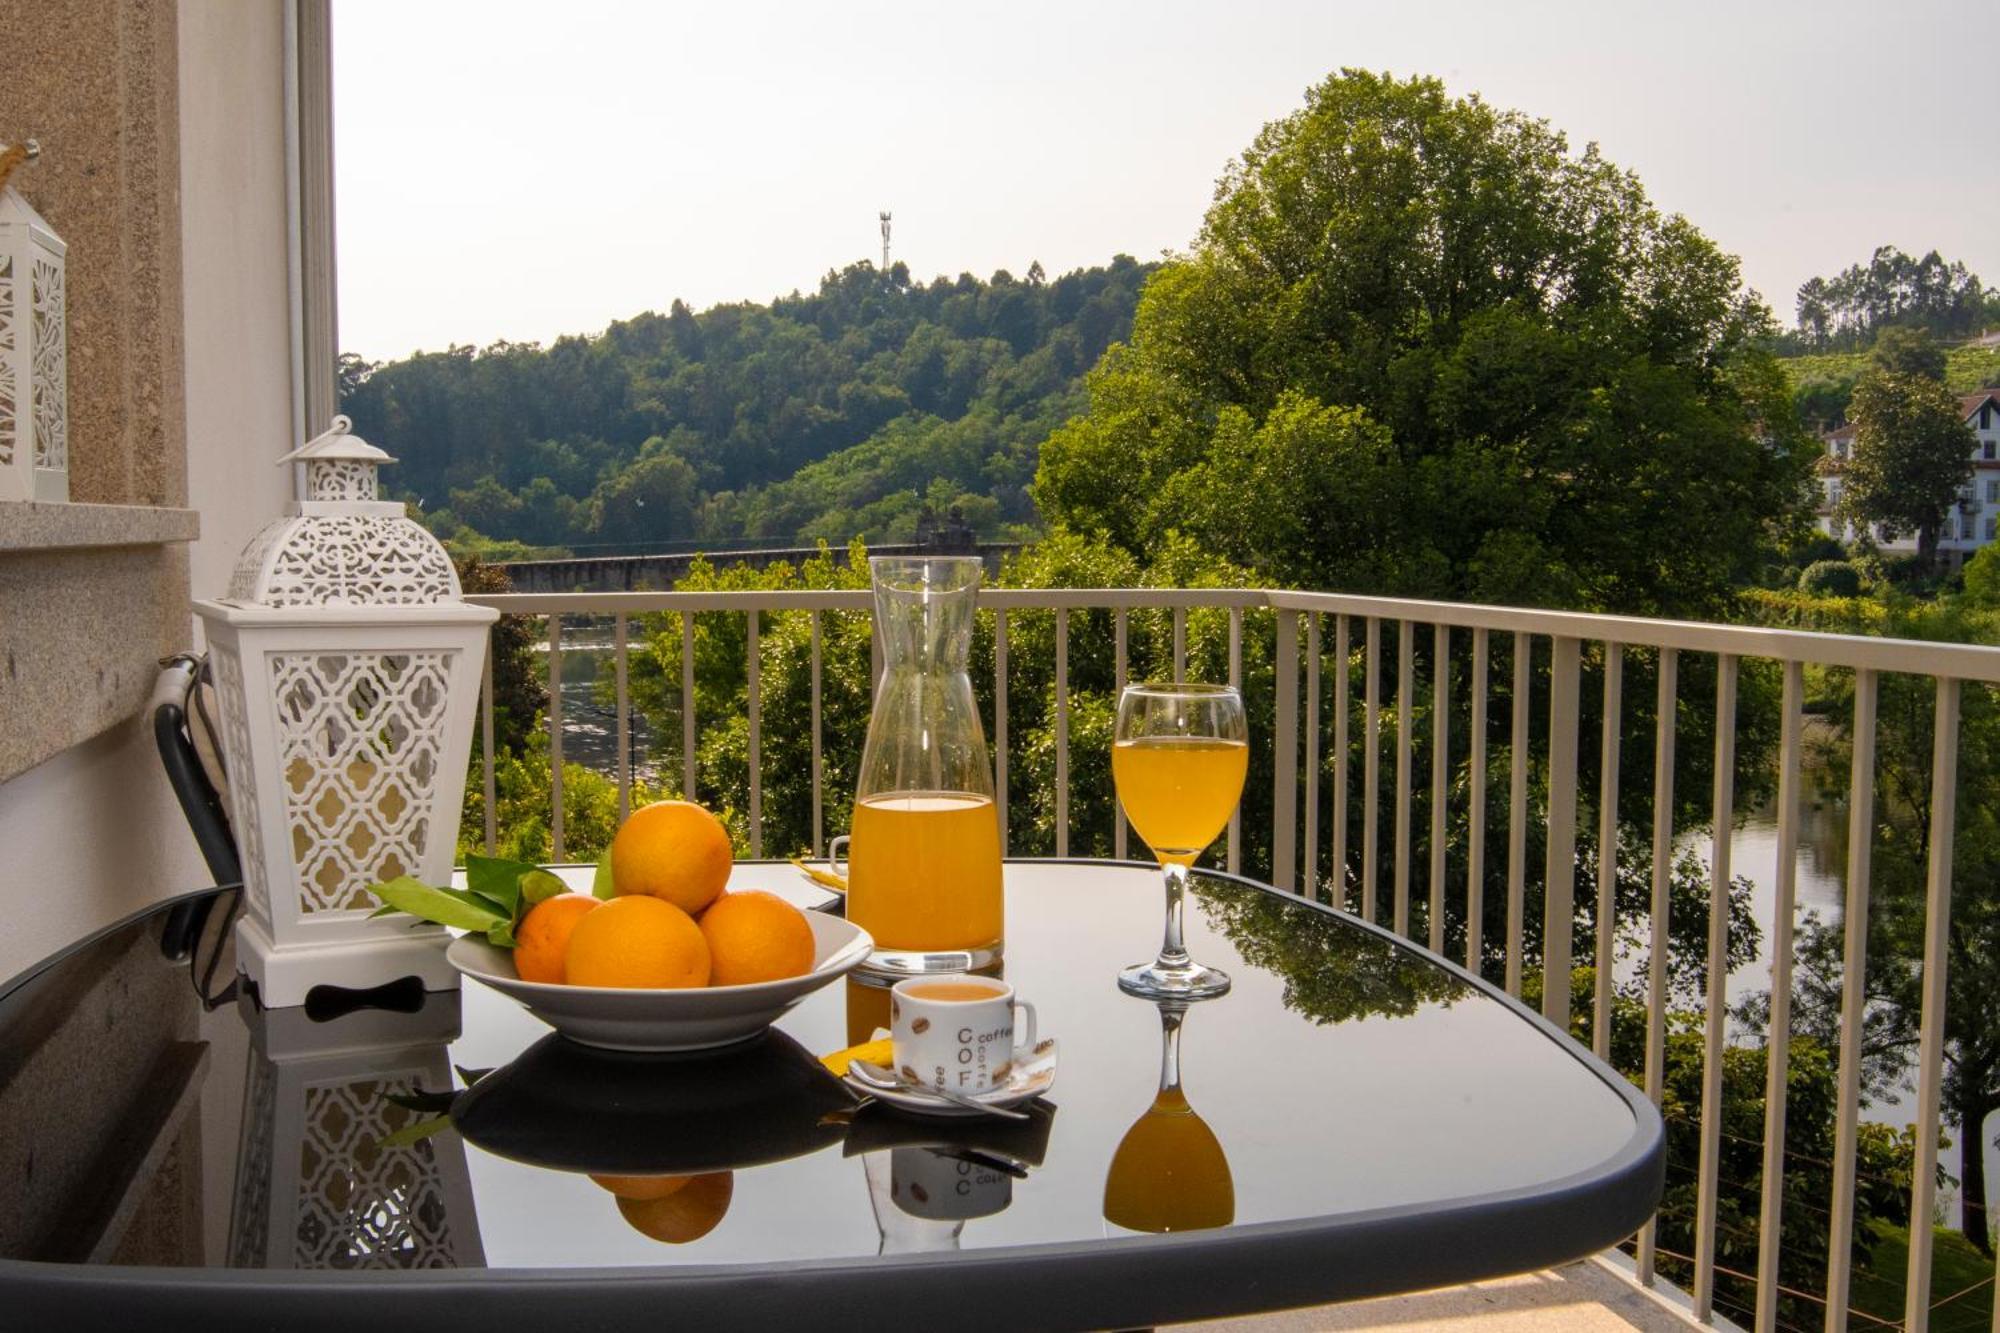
(665, 1020)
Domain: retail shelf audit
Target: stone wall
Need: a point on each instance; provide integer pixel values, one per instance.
(91, 595)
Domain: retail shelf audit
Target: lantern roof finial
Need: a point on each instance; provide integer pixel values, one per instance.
(336, 443)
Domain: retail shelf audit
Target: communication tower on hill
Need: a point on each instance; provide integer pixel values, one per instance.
(885, 242)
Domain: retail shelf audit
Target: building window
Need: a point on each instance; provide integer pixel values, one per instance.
(1988, 449)
(1965, 527)
(1993, 492)
(1988, 534)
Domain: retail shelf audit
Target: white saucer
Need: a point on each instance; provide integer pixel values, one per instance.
(1033, 1074)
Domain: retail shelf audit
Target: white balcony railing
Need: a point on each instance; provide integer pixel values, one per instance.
(1307, 854)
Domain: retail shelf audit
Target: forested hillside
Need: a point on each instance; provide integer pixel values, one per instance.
(836, 414)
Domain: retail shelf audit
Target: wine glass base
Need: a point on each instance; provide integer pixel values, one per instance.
(1191, 981)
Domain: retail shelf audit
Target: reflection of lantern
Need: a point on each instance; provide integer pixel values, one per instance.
(348, 670)
(316, 1186)
(34, 384)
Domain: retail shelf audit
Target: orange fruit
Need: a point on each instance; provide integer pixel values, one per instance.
(643, 1187)
(672, 850)
(684, 1215)
(542, 938)
(755, 936)
(636, 942)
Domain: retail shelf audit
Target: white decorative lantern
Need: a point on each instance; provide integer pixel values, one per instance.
(348, 670)
(34, 379)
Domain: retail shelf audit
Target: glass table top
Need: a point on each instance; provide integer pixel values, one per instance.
(1343, 1073)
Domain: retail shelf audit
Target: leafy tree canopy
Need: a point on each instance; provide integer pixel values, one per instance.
(1912, 452)
(1845, 311)
(839, 414)
(1422, 347)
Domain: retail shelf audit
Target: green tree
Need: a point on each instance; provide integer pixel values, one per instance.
(1912, 454)
(1421, 347)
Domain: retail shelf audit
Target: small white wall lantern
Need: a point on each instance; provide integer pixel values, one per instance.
(348, 670)
(34, 378)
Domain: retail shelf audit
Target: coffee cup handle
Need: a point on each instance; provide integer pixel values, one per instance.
(836, 855)
(1029, 1010)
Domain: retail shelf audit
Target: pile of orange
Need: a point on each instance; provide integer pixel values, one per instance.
(670, 923)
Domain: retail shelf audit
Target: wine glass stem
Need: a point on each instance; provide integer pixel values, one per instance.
(1173, 954)
(1170, 1047)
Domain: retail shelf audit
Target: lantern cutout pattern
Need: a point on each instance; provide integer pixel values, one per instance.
(319, 1185)
(349, 671)
(34, 379)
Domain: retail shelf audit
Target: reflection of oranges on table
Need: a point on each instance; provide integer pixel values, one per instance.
(643, 1187)
(637, 942)
(542, 939)
(672, 850)
(755, 936)
(686, 1214)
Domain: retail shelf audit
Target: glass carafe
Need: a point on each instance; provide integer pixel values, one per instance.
(924, 852)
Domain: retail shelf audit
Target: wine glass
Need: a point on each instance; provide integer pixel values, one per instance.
(1178, 760)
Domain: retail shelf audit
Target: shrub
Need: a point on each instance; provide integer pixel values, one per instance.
(1831, 578)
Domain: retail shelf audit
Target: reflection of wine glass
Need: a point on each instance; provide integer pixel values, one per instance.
(1178, 760)
(1169, 1172)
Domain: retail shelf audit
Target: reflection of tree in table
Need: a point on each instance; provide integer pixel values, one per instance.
(1333, 971)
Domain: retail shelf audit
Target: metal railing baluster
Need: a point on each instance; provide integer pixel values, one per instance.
(1120, 669)
(1559, 867)
(624, 724)
(1517, 815)
(818, 762)
(687, 707)
(487, 784)
(1777, 1043)
(1000, 724)
(1930, 1031)
(1337, 892)
(1664, 732)
(1180, 643)
(1406, 742)
(1853, 1000)
(1440, 767)
(754, 673)
(1607, 850)
(1371, 759)
(1475, 808)
(1285, 756)
(555, 739)
(1309, 877)
(1062, 731)
(1714, 1030)
(1234, 854)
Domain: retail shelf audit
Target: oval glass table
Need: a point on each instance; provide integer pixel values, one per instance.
(1355, 1117)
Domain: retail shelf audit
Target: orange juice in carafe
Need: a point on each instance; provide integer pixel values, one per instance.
(924, 871)
(924, 852)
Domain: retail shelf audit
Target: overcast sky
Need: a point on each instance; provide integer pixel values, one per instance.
(521, 171)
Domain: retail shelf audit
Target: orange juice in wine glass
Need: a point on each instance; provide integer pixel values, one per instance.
(1178, 759)
(1179, 791)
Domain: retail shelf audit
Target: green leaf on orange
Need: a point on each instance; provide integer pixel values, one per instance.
(600, 883)
(446, 907)
(540, 885)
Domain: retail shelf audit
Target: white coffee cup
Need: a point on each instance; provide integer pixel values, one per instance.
(956, 1030)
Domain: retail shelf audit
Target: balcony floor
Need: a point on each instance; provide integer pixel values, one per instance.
(1586, 1297)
